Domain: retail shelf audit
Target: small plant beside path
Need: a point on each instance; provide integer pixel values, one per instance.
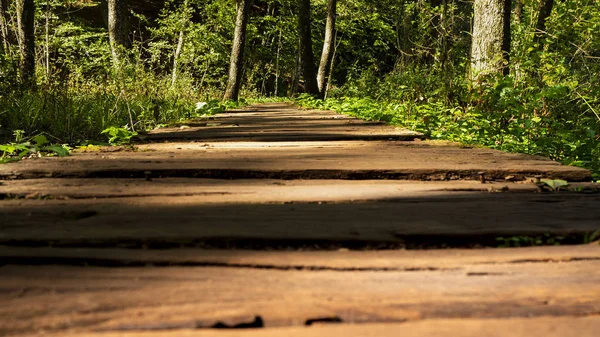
(35, 146)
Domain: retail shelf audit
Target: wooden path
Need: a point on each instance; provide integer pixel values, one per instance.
(276, 221)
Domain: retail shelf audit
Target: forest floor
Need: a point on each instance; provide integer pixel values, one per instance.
(299, 222)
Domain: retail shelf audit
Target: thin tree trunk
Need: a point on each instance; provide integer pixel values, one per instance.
(47, 47)
(328, 86)
(307, 59)
(545, 11)
(327, 46)
(237, 51)
(25, 24)
(3, 26)
(204, 74)
(297, 71)
(491, 37)
(519, 11)
(277, 64)
(506, 37)
(176, 56)
(444, 36)
(117, 34)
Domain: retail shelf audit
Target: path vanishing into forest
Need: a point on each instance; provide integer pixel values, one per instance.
(293, 222)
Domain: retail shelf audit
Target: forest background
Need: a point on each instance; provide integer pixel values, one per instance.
(407, 62)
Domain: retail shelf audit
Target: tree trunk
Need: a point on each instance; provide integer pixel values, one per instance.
(545, 11)
(327, 46)
(237, 51)
(307, 58)
(3, 26)
(328, 86)
(491, 37)
(47, 46)
(25, 24)
(506, 37)
(176, 57)
(296, 74)
(519, 11)
(117, 33)
(276, 94)
(444, 37)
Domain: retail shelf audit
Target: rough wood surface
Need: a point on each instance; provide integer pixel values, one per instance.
(298, 160)
(161, 221)
(257, 191)
(471, 327)
(341, 260)
(279, 122)
(63, 298)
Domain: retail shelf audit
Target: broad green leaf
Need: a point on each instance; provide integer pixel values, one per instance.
(8, 149)
(59, 150)
(555, 183)
(40, 140)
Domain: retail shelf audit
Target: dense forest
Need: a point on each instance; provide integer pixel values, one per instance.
(517, 75)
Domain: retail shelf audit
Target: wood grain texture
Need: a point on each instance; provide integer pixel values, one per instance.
(514, 327)
(63, 298)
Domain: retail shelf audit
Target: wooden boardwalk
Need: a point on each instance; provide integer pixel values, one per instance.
(273, 219)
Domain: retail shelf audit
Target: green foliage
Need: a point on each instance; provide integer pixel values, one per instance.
(525, 241)
(547, 239)
(82, 111)
(591, 236)
(119, 136)
(555, 184)
(37, 145)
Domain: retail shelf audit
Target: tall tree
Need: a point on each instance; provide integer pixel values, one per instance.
(3, 26)
(328, 45)
(545, 11)
(236, 62)
(183, 23)
(519, 11)
(491, 37)
(307, 62)
(26, 32)
(117, 32)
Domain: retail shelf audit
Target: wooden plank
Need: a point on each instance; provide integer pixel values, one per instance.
(61, 299)
(256, 191)
(513, 327)
(341, 260)
(280, 122)
(418, 221)
(298, 160)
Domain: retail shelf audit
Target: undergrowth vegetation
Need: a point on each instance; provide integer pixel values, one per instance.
(79, 113)
(75, 112)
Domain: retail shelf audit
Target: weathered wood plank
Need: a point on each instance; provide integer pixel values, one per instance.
(257, 191)
(430, 221)
(281, 122)
(60, 298)
(341, 260)
(298, 160)
(513, 327)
